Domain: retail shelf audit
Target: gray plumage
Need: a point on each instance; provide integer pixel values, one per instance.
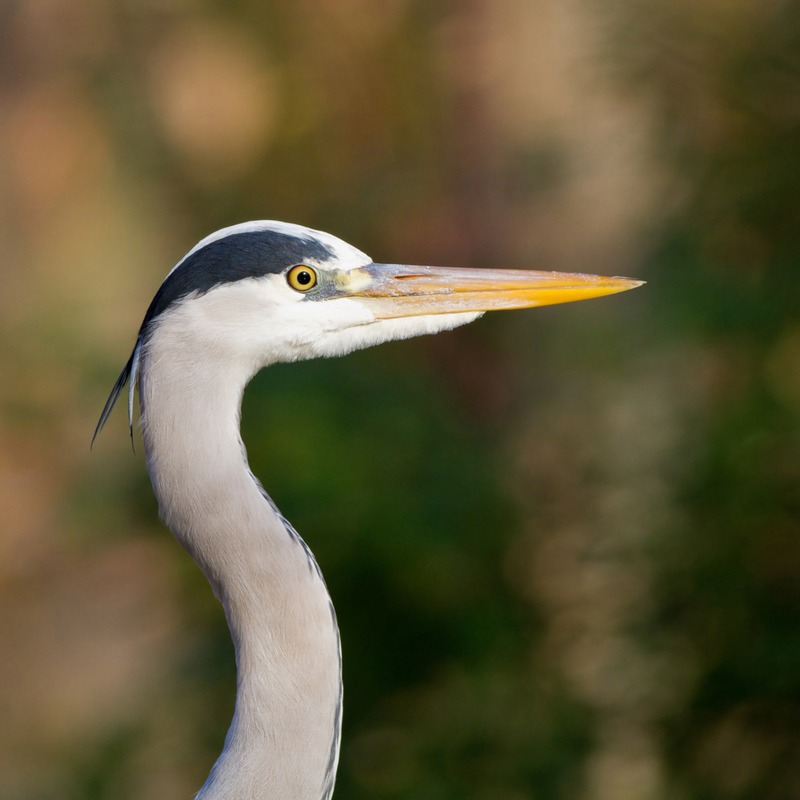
(244, 298)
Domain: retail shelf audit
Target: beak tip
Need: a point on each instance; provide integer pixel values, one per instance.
(625, 284)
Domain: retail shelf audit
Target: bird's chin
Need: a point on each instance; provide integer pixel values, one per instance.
(407, 327)
(377, 331)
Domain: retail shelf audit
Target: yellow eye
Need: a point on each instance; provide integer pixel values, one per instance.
(302, 278)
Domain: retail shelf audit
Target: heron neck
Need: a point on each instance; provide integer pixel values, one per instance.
(283, 741)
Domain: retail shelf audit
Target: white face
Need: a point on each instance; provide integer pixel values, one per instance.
(236, 327)
(263, 321)
(344, 302)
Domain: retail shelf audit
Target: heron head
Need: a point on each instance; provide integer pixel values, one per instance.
(265, 292)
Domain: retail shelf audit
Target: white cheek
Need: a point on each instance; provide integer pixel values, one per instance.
(357, 336)
(300, 330)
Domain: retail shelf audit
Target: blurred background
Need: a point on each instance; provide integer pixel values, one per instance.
(564, 543)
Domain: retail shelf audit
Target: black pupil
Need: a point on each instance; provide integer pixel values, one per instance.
(303, 277)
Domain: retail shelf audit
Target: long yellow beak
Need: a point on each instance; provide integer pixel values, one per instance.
(398, 290)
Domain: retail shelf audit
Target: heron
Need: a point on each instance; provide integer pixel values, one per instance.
(245, 297)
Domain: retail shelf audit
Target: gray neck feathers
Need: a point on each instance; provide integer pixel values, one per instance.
(283, 741)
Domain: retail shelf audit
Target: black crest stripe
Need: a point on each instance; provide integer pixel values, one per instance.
(237, 256)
